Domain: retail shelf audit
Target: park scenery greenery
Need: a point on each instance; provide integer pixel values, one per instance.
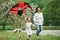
(50, 9)
(8, 21)
(5, 35)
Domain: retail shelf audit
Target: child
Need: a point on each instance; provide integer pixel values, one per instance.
(28, 28)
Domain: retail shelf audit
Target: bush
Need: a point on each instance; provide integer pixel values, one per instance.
(52, 12)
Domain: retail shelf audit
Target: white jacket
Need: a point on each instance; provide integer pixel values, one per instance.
(38, 18)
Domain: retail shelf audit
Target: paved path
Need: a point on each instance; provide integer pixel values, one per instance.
(45, 32)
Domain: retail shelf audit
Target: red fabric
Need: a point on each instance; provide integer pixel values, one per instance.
(14, 10)
(20, 5)
(26, 6)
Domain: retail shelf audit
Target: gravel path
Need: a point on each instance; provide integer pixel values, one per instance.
(45, 32)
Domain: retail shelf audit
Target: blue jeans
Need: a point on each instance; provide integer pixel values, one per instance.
(39, 29)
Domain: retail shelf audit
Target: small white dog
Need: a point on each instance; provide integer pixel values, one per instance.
(17, 30)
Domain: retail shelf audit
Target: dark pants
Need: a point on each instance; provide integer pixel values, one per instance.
(39, 29)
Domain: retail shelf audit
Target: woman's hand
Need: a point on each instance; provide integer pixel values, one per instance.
(42, 23)
(36, 21)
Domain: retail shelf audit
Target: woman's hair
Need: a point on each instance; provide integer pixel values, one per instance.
(36, 9)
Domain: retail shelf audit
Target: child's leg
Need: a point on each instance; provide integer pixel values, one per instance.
(28, 37)
(29, 33)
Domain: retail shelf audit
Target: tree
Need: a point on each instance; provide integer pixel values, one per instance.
(9, 18)
(52, 12)
(40, 3)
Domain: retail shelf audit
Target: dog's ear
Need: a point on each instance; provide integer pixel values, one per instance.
(16, 31)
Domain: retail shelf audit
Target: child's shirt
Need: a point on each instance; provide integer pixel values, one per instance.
(28, 25)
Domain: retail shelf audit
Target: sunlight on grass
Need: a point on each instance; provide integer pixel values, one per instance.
(5, 35)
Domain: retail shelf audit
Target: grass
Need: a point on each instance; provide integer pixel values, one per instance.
(51, 27)
(5, 35)
(33, 28)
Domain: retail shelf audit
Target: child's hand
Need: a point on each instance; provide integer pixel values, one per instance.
(33, 25)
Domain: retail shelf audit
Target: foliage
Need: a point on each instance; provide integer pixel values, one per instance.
(50, 9)
(52, 13)
(11, 19)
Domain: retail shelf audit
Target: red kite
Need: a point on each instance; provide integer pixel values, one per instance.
(20, 8)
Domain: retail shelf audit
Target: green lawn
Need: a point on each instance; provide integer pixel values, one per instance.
(51, 27)
(5, 35)
(34, 28)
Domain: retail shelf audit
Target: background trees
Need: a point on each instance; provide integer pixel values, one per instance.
(50, 9)
(51, 12)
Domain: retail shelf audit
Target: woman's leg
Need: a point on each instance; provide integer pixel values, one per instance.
(38, 30)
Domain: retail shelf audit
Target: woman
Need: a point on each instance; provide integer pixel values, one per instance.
(38, 20)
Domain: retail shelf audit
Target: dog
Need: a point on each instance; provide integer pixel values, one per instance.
(17, 30)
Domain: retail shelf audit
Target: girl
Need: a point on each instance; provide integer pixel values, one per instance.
(28, 28)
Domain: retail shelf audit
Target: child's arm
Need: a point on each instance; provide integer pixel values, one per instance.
(33, 25)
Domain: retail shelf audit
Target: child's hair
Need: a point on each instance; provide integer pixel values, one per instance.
(26, 19)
